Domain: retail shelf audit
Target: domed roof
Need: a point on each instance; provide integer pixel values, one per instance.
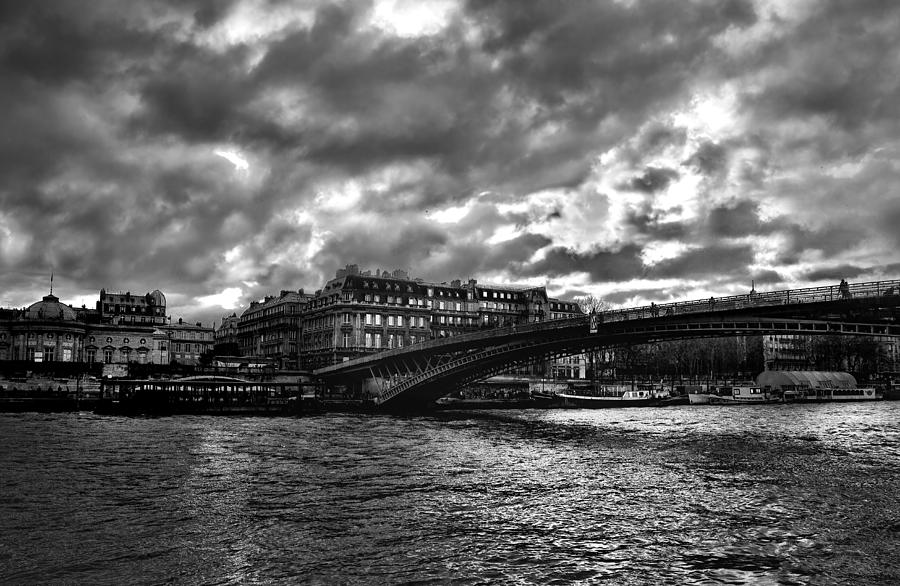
(49, 308)
(156, 298)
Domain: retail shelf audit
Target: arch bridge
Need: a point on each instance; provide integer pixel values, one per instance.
(415, 376)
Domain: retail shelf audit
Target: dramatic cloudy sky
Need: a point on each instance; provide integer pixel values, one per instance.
(637, 150)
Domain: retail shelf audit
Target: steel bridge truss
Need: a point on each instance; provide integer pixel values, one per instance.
(416, 375)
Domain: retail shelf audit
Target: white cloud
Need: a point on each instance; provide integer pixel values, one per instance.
(235, 158)
(228, 298)
(412, 18)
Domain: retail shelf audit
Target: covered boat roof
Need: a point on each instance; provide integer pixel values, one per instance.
(806, 378)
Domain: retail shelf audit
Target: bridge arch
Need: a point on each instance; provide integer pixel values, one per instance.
(415, 376)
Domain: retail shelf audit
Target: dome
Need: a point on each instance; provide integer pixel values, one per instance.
(156, 298)
(49, 308)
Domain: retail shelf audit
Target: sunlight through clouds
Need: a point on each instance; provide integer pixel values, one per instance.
(227, 299)
(235, 158)
(621, 144)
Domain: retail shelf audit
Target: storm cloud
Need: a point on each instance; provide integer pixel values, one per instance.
(635, 150)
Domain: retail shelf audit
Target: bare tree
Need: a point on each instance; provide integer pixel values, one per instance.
(591, 304)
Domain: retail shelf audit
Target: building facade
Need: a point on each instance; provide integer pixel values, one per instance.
(51, 331)
(794, 352)
(227, 332)
(271, 328)
(125, 308)
(358, 313)
(363, 312)
(576, 366)
(185, 343)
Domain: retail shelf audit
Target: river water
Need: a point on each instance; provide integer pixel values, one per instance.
(768, 494)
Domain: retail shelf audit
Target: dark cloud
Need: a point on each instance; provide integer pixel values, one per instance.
(198, 96)
(601, 265)
(739, 219)
(767, 277)
(835, 273)
(210, 12)
(567, 125)
(59, 43)
(652, 180)
(837, 65)
(830, 240)
(373, 244)
(710, 158)
(649, 224)
(714, 260)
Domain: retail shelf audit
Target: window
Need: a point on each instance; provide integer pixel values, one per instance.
(391, 339)
(369, 343)
(346, 340)
(368, 319)
(91, 356)
(377, 319)
(48, 353)
(378, 299)
(346, 318)
(107, 356)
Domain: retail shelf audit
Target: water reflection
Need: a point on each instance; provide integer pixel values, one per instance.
(760, 494)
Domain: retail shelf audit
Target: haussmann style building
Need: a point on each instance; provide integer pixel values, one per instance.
(363, 312)
(271, 328)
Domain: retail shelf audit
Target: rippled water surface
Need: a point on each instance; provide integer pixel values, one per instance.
(769, 494)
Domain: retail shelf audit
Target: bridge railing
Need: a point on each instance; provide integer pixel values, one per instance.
(758, 299)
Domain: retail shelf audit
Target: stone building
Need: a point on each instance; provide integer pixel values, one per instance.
(227, 332)
(501, 305)
(186, 342)
(577, 365)
(271, 328)
(357, 313)
(125, 308)
(363, 312)
(797, 352)
(51, 331)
